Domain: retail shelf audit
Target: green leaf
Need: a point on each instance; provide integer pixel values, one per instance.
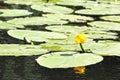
(69, 17)
(111, 18)
(68, 59)
(36, 21)
(99, 11)
(38, 36)
(52, 9)
(105, 25)
(14, 12)
(20, 50)
(7, 26)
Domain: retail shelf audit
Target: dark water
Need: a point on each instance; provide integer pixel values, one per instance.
(26, 68)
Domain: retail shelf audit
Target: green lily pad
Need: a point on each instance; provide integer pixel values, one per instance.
(25, 2)
(36, 21)
(20, 50)
(52, 9)
(68, 17)
(111, 18)
(7, 26)
(68, 59)
(99, 11)
(104, 25)
(38, 36)
(90, 32)
(111, 49)
(14, 12)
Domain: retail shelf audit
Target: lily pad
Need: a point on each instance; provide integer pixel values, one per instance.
(111, 49)
(25, 2)
(52, 9)
(68, 59)
(7, 26)
(38, 36)
(68, 17)
(36, 21)
(99, 11)
(20, 50)
(14, 12)
(105, 25)
(111, 18)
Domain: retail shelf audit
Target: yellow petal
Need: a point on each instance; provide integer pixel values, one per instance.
(80, 38)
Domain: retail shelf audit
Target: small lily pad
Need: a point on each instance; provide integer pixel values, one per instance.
(111, 18)
(38, 36)
(99, 11)
(36, 21)
(7, 26)
(69, 17)
(52, 9)
(68, 59)
(20, 50)
(14, 12)
(105, 25)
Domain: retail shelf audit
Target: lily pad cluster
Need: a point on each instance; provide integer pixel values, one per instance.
(62, 20)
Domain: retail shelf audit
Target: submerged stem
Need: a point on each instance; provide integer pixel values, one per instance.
(83, 50)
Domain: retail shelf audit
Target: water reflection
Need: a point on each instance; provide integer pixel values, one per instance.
(26, 68)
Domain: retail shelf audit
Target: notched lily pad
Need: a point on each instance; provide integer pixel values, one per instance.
(105, 25)
(36, 21)
(70, 18)
(111, 18)
(14, 12)
(7, 26)
(68, 59)
(38, 36)
(52, 9)
(99, 11)
(20, 50)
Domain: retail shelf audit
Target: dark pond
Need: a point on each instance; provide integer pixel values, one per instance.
(26, 68)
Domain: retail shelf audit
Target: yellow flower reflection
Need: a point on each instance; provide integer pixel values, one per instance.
(80, 38)
(79, 70)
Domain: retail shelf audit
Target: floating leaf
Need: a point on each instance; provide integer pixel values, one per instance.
(71, 18)
(104, 25)
(111, 49)
(7, 26)
(14, 12)
(39, 36)
(26, 2)
(52, 9)
(20, 50)
(68, 59)
(36, 21)
(99, 11)
(111, 18)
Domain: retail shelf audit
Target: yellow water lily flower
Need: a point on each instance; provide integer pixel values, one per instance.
(79, 70)
(80, 38)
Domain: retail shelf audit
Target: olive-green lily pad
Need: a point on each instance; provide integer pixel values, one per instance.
(111, 18)
(36, 21)
(52, 9)
(14, 12)
(38, 36)
(69, 17)
(99, 11)
(68, 59)
(105, 25)
(7, 26)
(20, 50)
